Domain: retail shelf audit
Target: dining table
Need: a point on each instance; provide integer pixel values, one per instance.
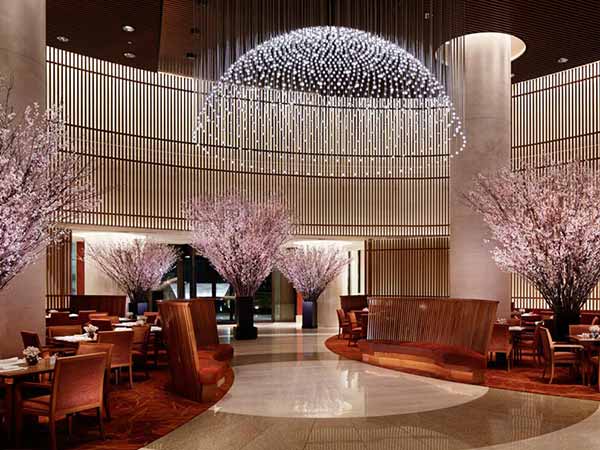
(591, 346)
(12, 371)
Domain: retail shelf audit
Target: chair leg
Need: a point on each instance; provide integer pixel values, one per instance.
(551, 374)
(131, 376)
(70, 425)
(100, 423)
(146, 367)
(53, 434)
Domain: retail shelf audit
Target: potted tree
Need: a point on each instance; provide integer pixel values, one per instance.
(43, 183)
(545, 224)
(310, 269)
(242, 240)
(136, 266)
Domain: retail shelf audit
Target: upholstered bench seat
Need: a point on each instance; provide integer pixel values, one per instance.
(211, 371)
(449, 362)
(219, 352)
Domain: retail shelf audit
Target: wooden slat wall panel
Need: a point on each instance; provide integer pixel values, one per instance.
(407, 267)
(556, 119)
(136, 127)
(58, 273)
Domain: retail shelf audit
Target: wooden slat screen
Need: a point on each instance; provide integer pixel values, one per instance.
(58, 273)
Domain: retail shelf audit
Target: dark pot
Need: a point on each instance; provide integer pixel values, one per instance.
(309, 315)
(562, 320)
(244, 313)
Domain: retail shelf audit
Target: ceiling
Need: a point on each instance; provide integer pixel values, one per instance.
(163, 28)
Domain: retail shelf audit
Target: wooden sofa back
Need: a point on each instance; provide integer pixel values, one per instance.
(204, 317)
(463, 323)
(184, 365)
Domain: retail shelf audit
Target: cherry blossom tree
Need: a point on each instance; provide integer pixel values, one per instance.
(136, 266)
(545, 224)
(242, 241)
(310, 269)
(43, 183)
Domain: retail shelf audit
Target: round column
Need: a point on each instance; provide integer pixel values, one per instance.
(23, 64)
(473, 273)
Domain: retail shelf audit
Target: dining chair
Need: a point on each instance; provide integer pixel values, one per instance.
(578, 329)
(88, 348)
(343, 323)
(122, 351)
(501, 342)
(554, 354)
(140, 340)
(84, 315)
(596, 320)
(31, 339)
(103, 324)
(355, 329)
(529, 343)
(98, 315)
(63, 330)
(68, 393)
(151, 317)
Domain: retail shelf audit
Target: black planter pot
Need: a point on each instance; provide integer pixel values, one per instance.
(309, 315)
(244, 313)
(562, 320)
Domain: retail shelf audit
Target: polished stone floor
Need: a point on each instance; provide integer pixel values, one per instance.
(290, 392)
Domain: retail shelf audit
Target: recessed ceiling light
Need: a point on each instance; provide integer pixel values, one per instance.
(62, 39)
(128, 28)
(562, 60)
(129, 55)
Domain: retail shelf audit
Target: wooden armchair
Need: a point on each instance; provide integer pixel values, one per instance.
(501, 342)
(355, 329)
(121, 353)
(88, 348)
(343, 324)
(192, 377)
(554, 354)
(204, 318)
(68, 393)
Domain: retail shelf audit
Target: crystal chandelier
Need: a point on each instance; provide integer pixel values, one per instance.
(329, 102)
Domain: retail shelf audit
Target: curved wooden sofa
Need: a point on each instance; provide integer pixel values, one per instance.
(443, 338)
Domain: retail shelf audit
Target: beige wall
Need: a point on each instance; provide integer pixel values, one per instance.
(23, 62)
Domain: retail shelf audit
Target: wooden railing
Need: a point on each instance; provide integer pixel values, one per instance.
(463, 323)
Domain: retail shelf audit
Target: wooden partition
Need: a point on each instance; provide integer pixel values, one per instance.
(114, 305)
(445, 338)
(205, 321)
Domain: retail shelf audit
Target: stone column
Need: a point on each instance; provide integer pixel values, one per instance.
(473, 273)
(23, 62)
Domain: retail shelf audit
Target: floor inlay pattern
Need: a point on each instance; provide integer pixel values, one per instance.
(290, 393)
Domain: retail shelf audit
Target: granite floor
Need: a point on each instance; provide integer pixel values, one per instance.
(290, 392)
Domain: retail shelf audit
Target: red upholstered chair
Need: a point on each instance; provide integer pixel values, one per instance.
(122, 351)
(501, 342)
(77, 386)
(204, 317)
(343, 323)
(355, 329)
(102, 324)
(88, 348)
(151, 317)
(554, 354)
(141, 338)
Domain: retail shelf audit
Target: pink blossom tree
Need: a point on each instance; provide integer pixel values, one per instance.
(310, 269)
(242, 241)
(136, 266)
(545, 224)
(43, 183)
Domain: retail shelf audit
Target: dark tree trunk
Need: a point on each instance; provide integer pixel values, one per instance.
(244, 312)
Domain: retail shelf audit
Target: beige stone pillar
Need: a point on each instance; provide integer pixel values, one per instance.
(473, 273)
(23, 60)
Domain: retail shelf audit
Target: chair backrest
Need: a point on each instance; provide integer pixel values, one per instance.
(184, 365)
(341, 316)
(78, 383)
(204, 318)
(578, 329)
(352, 318)
(98, 315)
(122, 344)
(30, 339)
(513, 322)
(596, 320)
(113, 319)
(63, 330)
(102, 324)
(141, 335)
(500, 337)
(530, 320)
(547, 343)
(84, 315)
(88, 348)
(152, 316)
(59, 315)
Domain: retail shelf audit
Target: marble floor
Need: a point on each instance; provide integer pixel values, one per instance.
(290, 392)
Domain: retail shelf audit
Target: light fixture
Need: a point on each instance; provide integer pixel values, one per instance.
(369, 108)
(128, 28)
(63, 39)
(129, 55)
(562, 60)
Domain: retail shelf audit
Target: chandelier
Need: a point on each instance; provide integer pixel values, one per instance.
(328, 102)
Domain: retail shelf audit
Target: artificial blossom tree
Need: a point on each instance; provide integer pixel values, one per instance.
(242, 241)
(545, 224)
(43, 183)
(136, 266)
(310, 269)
